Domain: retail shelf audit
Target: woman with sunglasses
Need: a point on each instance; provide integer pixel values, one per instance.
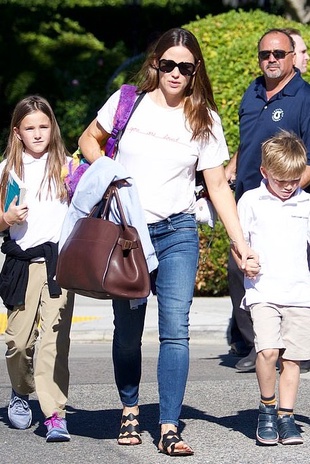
(174, 131)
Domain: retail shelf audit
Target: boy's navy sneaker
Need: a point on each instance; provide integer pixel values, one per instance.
(56, 429)
(19, 412)
(267, 430)
(288, 433)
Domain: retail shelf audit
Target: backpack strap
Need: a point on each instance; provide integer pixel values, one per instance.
(127, 104)
(126, 101)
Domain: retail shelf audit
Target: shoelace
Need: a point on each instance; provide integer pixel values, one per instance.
(20, 405)
(54, 421)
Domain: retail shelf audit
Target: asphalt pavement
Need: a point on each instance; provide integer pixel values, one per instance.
(218, 417)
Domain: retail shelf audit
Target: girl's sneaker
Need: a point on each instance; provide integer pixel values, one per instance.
(19, 412)
(56, 429)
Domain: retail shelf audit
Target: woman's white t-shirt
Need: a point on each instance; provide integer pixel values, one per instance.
(157, 151)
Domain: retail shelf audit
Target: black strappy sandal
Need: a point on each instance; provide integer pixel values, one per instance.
(130, 431)
(169, 440)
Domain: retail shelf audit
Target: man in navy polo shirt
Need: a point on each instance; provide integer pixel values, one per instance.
(279, 99)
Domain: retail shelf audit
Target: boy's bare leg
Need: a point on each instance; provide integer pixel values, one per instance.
(288, 388)
(267, 431)
(266, 371)
(288, 383)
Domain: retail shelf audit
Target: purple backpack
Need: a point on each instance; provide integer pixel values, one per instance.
(127, 104)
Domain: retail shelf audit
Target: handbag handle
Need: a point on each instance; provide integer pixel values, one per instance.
(112, 191)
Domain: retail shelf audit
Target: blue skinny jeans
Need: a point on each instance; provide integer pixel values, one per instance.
(177, 247)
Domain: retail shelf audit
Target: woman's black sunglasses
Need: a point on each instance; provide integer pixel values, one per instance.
(186, 69)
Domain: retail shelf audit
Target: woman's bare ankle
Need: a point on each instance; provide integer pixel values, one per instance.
(164, 428)
(131, 410)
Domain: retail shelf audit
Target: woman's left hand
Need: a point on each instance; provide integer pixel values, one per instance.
(252, 268)
(247, 259)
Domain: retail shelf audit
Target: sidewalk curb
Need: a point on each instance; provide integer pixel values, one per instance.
(93, 320)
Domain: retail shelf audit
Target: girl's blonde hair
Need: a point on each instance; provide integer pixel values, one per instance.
(198, 94)
(56, 149)
(284, 155)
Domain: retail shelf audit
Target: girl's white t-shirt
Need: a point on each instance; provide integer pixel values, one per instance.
(157, 151)
(45, 215)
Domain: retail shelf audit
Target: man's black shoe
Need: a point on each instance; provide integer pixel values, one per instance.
(247, 364)
(239, 349)
(304, 366)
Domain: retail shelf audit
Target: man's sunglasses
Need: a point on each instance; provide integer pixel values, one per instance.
(186, 69)
(278, 54)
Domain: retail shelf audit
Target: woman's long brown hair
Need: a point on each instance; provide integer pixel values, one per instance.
(198, 95)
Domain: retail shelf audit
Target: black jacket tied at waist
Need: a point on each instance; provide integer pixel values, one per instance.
(15, 271)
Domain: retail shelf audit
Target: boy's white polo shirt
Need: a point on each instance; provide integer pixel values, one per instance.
(278, 231)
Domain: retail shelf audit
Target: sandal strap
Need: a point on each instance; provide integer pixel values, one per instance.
(172, 441)
(130, 430)
(130, 417)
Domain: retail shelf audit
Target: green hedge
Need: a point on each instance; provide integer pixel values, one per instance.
(211, 277)
(229, 45)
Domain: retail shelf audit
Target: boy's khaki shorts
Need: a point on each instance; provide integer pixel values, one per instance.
(286, 328)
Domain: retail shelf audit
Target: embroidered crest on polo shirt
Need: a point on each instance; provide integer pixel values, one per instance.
(277, 115)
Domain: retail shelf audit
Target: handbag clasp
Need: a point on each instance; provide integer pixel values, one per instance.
(127, 244)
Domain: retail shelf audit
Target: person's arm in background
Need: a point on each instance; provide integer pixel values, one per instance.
(231, 168)
(225, 205)
(305, 178)
(91, 141)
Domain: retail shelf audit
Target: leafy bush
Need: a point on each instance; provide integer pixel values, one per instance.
(229, 45)
(76, 69)
(68, 49)
(211, 277)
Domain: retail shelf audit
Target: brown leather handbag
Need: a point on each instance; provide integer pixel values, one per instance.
(104, 260)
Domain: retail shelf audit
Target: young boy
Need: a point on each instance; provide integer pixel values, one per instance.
(275, 221)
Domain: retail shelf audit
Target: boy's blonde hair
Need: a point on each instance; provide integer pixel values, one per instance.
(284, 155)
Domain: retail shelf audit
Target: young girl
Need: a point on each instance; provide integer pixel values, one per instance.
(174, 130)
(36, 153)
